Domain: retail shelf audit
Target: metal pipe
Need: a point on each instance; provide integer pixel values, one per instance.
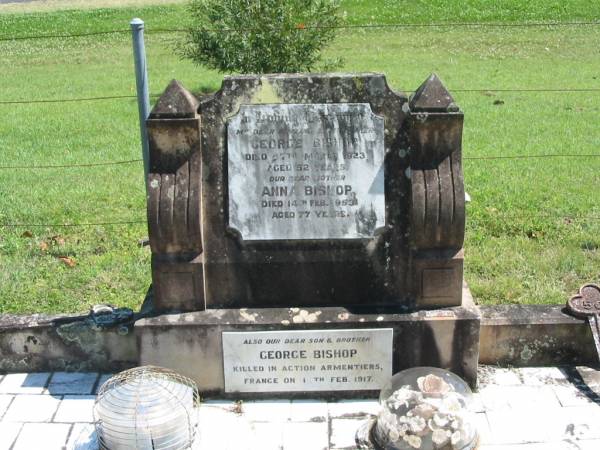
(141, 82)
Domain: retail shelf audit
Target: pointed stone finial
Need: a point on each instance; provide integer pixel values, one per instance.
(432, 96)
(176, 101)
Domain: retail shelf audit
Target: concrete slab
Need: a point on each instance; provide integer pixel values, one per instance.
(303, 436)
(572, 395)
(268, 436)
(32, 408)
(343, 433)
(525, 416)
(75, 408)
(541, 376)
(267, 410)
(82, 437)
(47, 436)
(24, 383)
(8, 434)
(493, 398)
(5, 401)
(162, 339)
(308, 411)
(72, 383)
(353, 409)
(527, 397)
(101, 380)
(562, 445)
(590, 376)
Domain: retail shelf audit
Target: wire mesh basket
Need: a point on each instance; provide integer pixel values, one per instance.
(147, 408)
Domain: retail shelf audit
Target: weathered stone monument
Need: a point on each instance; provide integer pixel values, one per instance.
(306, 234)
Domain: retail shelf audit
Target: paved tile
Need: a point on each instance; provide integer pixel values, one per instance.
(303, 436)
(72, 383)
(483, 428)
(47, 436)
(75, 408)
(5, 400)
(308, 411)
(343, 433)
(498, 376)
(83, 437)
(581, 422)
(477, 403)
(8, 434)
(224, 431)
(267, 410)
(571, 395)
(103, 379)
(590, 376)
(541, 376)
(208, 415)
(518, 427)
(562, 445)
(32, 408)
(24, 383)
(267, 436)
(225, 405)
(528, 397)
(494, 398)
(593, 444)
(353, 408)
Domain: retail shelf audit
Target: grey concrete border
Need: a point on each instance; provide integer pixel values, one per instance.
(517, 335)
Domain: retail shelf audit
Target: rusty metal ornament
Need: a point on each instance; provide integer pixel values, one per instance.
(586, 305)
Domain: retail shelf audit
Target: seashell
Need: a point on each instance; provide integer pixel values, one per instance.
(424, 410)
(440, 420)
(413, 441)
(433, 385)
(452, 404)
(403, 429)
(416, 424)
(435, 403)
(393, 435)
(432, 426)
(440, 437)
(455, 438)
(403, 397)
(455, 424)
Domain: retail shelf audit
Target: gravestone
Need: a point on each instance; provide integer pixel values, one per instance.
(307, 222)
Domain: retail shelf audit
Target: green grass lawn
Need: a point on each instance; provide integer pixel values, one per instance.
(533, 227)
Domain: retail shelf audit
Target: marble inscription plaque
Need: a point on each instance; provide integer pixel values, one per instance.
(306, 171)
(307, 360)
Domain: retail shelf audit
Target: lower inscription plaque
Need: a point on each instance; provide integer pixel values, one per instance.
(307, 360)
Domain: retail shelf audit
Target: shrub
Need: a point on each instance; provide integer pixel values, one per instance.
(261, 36)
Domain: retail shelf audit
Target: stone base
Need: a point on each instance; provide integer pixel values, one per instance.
(191, 343)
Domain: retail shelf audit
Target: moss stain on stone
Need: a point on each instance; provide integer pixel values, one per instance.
(265, 94)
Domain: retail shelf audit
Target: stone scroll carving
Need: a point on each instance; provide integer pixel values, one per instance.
(438, 196)
(437, 218)
(174, 189)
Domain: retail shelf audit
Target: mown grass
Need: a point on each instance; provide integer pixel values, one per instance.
(533, 229)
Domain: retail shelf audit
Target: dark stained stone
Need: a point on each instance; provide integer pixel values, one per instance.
(175, 102)
(432, 95)
(242, 226)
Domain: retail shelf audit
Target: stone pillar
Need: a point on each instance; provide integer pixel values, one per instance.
(174, 195)
(438, 196)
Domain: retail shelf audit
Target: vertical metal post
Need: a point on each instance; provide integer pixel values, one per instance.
(141, 82)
